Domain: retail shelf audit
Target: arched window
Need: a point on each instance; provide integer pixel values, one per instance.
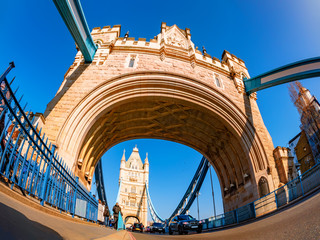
(131, 63)
(263, 187)
(133, 189)
(217, 80)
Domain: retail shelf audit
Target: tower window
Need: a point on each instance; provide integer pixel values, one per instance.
(131, 63)
(218, 81)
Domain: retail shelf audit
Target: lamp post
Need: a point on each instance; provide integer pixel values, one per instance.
(198, 205)
(214, 205)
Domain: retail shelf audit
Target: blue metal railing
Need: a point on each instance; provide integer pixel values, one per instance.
(154, 215)
(294, 189)
(30, 162)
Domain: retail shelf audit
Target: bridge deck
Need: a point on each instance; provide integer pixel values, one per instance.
(299, 221)
(21, 221)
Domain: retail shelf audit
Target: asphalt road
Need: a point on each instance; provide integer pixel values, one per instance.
(298, 222)
(19, 221)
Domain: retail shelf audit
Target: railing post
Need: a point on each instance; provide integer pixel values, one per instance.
(236, 215)
(46, 178)
(88, 211)
(75, 197)
(301, 185)
(275, 197)
(254, 209)
(11, 65)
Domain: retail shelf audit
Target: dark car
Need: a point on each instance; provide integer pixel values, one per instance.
(137, 227)
(184, 224)
(157, 227)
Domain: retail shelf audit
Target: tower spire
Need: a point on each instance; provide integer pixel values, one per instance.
(124, 155)
(146, 161)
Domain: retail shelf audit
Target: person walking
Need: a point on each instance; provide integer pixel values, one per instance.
(116, 209)
(106, 214)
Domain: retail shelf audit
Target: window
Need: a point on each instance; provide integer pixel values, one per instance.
(263, 186)
(131, 63)
(218, 81)
(133, 189)
(125, 190)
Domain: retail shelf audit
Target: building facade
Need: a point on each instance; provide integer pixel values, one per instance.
(133, 177)
(306, 145)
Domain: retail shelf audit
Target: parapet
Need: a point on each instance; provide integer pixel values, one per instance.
(170, 42)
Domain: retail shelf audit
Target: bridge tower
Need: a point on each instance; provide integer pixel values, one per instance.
(132, 193)
(165, 89)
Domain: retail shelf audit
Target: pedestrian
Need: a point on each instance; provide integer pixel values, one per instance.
(116, 209)
(106, 214)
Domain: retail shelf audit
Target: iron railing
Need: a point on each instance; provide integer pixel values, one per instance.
(29, 161)
(298, 187)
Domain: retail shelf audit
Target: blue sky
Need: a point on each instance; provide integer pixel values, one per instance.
(265, 34)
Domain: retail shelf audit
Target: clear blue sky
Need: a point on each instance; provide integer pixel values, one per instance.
(265, 34)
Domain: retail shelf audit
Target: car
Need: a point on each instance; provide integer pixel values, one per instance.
(137, 227)
(183, 224)
(157, 227)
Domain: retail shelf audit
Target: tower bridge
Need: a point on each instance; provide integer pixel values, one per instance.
(167, 89)
(121, 88)
(134, 178)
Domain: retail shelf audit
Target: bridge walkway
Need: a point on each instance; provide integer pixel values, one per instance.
(19, 219)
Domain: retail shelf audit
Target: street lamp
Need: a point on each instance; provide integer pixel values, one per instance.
(214, 205)
(198, 205)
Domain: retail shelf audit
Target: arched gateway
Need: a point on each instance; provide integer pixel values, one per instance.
(165, 89)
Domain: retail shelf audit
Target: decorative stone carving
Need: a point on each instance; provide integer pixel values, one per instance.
(175, 40)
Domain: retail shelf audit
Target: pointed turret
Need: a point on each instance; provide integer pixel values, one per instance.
(134, 161)
(122, 164)
(146, 164)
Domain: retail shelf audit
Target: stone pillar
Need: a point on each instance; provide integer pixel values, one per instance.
(285, 165)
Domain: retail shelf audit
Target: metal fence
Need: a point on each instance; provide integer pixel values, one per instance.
(294, 189)
(29, 161)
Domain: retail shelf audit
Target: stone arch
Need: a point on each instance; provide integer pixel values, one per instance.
(263, 186)
(131, 216)
(172, 107)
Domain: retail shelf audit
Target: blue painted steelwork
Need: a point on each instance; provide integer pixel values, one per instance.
(73, 16)
(294, 189)
(307, 68)
(30, 162)
(193, 189)
(154, 215)
(98, 173)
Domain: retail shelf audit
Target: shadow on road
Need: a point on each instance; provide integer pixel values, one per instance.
(14, 225)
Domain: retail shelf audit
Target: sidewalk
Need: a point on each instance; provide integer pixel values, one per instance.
(120, 235)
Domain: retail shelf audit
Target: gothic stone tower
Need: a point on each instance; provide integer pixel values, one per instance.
(165, 89)
(132, 198)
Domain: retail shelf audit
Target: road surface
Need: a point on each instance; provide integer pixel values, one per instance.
(298, 222)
